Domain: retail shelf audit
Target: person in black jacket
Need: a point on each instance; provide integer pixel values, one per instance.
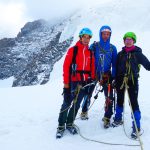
(127, 73)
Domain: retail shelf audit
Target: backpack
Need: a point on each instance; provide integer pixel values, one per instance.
(73, 66)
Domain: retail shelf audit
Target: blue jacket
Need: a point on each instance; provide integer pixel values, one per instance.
(108, 52)
(110, 57)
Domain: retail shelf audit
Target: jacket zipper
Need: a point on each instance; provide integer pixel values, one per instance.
(84, 61)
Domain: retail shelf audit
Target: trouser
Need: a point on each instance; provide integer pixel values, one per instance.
(87, 98)
(108, 100)
(67, 114)
(133, 96)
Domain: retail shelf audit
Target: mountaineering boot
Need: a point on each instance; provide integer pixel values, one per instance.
(134, 134)
(106, 122)
(137, 117)
(59, 133)
(118, 117)
(117, 123)
(72, 129)
(84, 116)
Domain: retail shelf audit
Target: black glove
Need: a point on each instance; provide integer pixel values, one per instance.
(67, 95)
(66, 91)
(89, 80)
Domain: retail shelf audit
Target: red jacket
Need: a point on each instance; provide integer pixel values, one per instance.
(83, 62)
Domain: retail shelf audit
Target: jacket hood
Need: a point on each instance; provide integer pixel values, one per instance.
(104, 45)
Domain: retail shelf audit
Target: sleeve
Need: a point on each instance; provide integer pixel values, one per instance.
(114, 61)
(66, 66)
(117, 63)
(142, 59)
(93, 46)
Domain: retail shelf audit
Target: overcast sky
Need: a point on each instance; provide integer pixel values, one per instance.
(15, 13)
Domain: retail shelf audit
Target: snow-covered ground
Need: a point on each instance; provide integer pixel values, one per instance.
(28, 119)
(6, 82)
(28, 115)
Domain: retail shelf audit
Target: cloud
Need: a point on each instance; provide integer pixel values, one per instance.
(50, 9)
(15, 13)
(11, 18)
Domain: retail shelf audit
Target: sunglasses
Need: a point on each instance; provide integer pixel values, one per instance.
(128, 40)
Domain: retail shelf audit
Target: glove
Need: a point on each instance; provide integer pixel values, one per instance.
(67, 95)
(89, 80)
(66, 91)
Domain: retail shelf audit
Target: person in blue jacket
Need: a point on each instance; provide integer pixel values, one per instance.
(127, 74)
(105, 65)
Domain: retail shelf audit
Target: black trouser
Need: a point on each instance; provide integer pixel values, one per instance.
(67, 114)
(132, 91)
(133, 96)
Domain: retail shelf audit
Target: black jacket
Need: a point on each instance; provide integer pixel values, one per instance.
(134, 58)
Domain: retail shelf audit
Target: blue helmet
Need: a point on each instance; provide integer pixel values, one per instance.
(85, 31)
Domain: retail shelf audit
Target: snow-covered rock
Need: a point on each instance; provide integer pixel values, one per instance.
(30, 57)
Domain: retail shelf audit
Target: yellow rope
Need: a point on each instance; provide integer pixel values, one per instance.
(125, 83)
(141, 144)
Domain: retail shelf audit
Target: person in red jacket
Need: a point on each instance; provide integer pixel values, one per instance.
(78, 77)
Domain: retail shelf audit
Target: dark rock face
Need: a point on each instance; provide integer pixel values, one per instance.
(30, 56)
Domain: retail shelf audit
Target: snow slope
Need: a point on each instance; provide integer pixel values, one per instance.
(28, 119)
(28, 115)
